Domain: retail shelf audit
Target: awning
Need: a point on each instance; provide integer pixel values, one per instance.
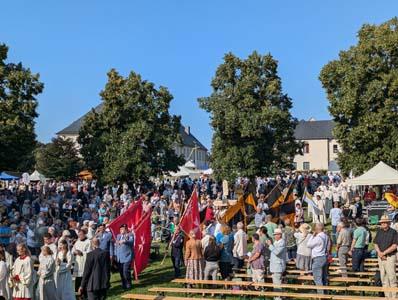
(6, 176)
(380, 174)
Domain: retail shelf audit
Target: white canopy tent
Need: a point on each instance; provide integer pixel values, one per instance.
(36, 176)
(187, 170)
(380, 174)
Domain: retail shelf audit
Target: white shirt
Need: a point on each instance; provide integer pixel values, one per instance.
(335, 215)
(317, 244)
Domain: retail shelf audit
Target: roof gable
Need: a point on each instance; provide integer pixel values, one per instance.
(313, 130)
(188, 139)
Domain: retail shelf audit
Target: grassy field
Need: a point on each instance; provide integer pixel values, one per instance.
(154, 275)
(157, 275)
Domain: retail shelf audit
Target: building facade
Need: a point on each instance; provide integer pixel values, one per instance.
(320, 148)
(191, 148)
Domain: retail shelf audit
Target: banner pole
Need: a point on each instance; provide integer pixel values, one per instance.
(173, 237)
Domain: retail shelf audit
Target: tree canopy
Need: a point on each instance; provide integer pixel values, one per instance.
(250, 115)
(18, 103)
(58, 159)
(362, 89)
(132, 136)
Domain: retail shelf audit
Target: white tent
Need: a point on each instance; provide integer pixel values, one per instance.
(36, 176)
(380, 174)
(208, 171)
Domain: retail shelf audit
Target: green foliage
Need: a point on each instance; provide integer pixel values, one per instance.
(58, 159)
(132, 136)
(250, 115)
(18, 103)
(362, 88)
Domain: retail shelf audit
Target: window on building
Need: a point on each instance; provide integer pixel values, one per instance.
(306, 148)
(335, 149)
(306, 165)
(294, 166)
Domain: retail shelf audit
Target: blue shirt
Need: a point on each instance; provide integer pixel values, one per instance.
(106, 244)
(5, 234)
(226, 252)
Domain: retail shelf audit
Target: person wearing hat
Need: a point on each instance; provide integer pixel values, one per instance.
(385, 244)
(278, 257)
(124, 255)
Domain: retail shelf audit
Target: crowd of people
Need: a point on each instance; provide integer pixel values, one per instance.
(55, 240)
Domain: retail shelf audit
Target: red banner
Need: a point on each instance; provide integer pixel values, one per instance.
(142, 244)
(131, 217)
(191, 218)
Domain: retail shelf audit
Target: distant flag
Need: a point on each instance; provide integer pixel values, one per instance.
(131, 217)
(307, 198)
(288, 207)
(274, 200)
(250, 200)
(191, 218)
(392, 199)
(142, 244)
(231, 212)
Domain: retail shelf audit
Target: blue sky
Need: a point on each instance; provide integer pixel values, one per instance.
(178, 44)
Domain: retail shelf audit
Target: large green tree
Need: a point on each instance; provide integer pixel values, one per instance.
(58, 159)
(18, 103)
(250, 116)
(362, 88)
(132, 136)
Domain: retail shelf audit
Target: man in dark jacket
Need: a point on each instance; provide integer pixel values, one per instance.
(176, 252)
(97, 273)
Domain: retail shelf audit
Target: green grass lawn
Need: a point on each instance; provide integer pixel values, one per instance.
(154, 275)
(158, 275)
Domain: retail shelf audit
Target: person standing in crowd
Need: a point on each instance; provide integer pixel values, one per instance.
(105, 239)
(124, 255)
(48, 241)
(357, 250)
(335, 217)
(271, 226)
(177, 246)
(4, 295)
(46, 272)
(80, 249)
(226, 241)
(343, 244)
(320, 216)
(63, 278)
(385, 244)
(9, 260)
(278, 258)
(256, 260)
(212, 254)
(318, 245)
(263, 234)
(299, 213)
(291, 246)
(303, 259)
(193, 258)
(22, 275)
(259, 217)
(240, 246)
(97, 272)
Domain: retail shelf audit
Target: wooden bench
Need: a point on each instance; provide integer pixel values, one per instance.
(240, 293)
(156, 297)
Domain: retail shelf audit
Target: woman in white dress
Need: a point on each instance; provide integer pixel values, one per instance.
(3, 277)
(63, 279)
(22, 273)
(46, 275)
